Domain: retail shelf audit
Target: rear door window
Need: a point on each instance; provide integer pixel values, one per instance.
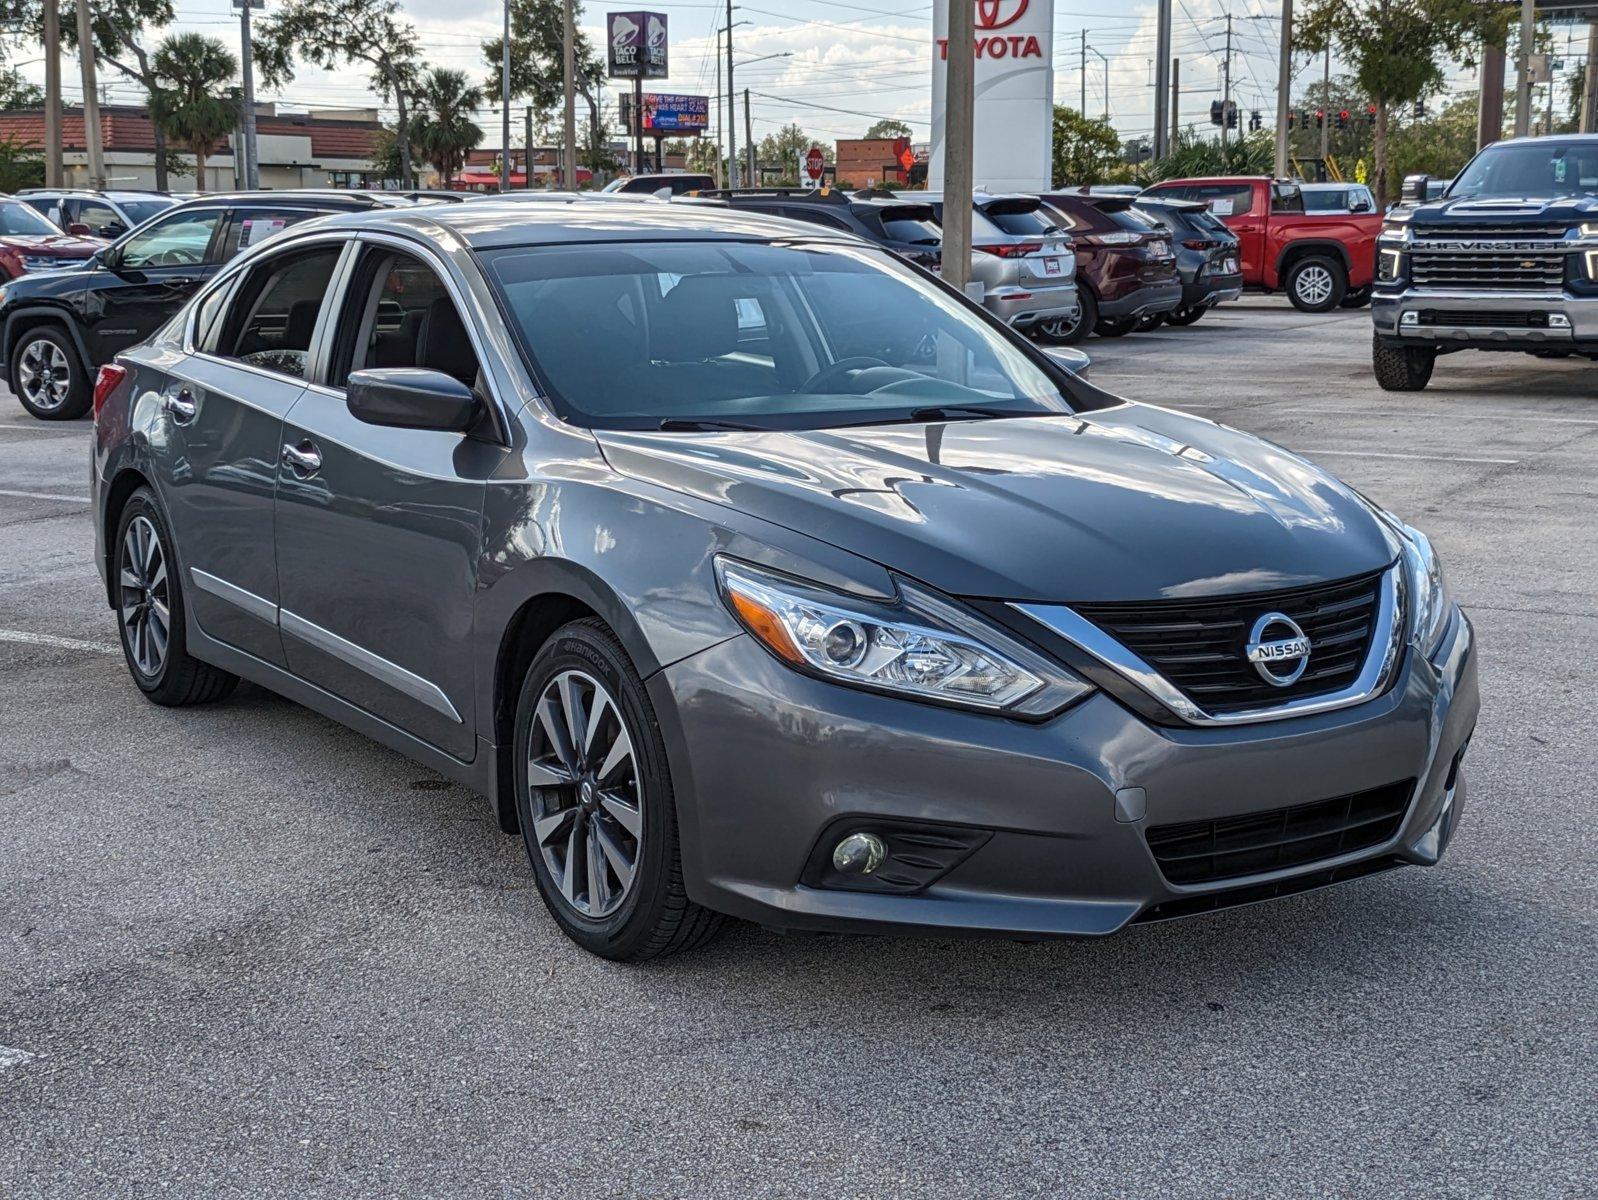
(274, 314)
(1224, 199)
(1021, 218)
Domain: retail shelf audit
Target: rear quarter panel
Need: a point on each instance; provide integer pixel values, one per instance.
(1355, 232)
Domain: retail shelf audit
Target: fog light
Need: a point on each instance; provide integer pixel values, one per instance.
(1409, 318)
(1558, 321)
(859, 854)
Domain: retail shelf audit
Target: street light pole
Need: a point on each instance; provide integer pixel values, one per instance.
(504, 103)
(1528, 35)
(1162, 80)
(91, 100)
(569, 65)
(732, 110)
(1284, 83)
(959, 112)
(252, 162)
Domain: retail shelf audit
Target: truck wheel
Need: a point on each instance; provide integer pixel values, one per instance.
(1068, 333)
(1184, 316)
(1358, 298)
(1402, 368)
(1316, 284)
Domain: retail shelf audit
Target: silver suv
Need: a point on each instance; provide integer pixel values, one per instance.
(98, 214)
(1026, 277)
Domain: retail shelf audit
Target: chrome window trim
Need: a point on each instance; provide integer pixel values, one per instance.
(1373, 677)
(424, 691)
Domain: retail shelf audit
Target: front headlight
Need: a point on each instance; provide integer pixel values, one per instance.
(1429, 597)
(923, 647)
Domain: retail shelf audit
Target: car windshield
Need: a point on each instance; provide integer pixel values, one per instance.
(17, 219)
(140, 211)
(1537, 170)
(724, 334)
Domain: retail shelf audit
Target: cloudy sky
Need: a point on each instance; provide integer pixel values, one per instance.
(846, 62)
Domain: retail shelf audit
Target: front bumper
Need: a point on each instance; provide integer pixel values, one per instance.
(1024, 306)
(765, 762)
(1486, 320)
(1141, 301)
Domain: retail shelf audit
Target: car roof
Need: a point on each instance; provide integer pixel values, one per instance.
(491, 224)
(330, 199)
(1330, 187)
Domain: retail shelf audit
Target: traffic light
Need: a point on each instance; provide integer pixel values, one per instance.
(1215, 112)
(1320, 118)
(1292, 118)
(1420, 110)
(1254, 121)
(1342, 118)
(1370, 114)
(1231, 114)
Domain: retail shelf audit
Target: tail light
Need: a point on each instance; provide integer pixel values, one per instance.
(1011, 249)
(105, 383)
(1198, 244)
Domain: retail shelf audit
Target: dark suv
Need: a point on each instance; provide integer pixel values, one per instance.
(1125, 270)
(1206, 256)
(57, 327)
(907, 227)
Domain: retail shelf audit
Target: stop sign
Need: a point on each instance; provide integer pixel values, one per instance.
(815, 164)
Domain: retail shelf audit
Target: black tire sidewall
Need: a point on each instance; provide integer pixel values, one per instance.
(142, 503)
(79, 396)
(588, 647)
(1184, 316)
(1339, 283)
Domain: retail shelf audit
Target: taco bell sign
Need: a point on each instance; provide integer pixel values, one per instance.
(637, 45)
(1013, 142)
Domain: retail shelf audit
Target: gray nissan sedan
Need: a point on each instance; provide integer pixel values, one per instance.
(750, 571)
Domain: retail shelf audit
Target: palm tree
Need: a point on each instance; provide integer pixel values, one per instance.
(442, 128)
(196, 103)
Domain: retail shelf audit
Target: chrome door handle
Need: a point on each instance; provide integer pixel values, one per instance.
(180, 407)
(304, 459)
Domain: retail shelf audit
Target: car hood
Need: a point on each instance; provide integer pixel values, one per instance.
(51, 243)
(1127, 503)
(1467, 210)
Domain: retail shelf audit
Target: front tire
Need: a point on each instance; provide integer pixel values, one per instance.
(1316, 283)
(149, 602)
(48, 377)
(1069, 333)
(594, 796)
(1402, 368)
(1116, 328)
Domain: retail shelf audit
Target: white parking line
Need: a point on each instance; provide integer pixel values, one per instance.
(60, 643)
(49, 428)
(1458, 458)
(1447, 416)
(10, 1057)
(44, 496)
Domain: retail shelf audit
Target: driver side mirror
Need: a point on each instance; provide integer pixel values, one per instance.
(1360, 204)
(114, 230)
(1415, 188)
(412, 398)
(1073, 360)
(79, 229)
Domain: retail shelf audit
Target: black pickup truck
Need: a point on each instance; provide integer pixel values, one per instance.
(1507, 259)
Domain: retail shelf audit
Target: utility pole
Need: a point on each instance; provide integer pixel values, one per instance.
(1284, 84)
(1162, 80)
(1226, 85)
(1326, 100)
(959, 114)
(252, 161)
(52, 94)
(1589, 90)
(732, 110)
(749, 144)
(1176, 100)
(527, 150)
(91, 100)
(1083, 105)
(569, 64)
(1528, 35)
(504, 105)
(715, 110)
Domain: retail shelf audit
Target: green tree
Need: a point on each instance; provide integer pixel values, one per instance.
(783, 148)
(1086, 149)
(537, 70)
(1398, 50)
(327, 33)
(196, 102)
(20, 165)
(888, 128)
(1438, 145)
(1252, 154)
(119, 30)
(442, 127)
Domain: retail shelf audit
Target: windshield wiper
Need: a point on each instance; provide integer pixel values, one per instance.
(970, 412)
(684, 425)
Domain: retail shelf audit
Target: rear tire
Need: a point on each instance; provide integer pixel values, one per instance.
(149, 601)
(1150, 322)
(1069, 333)
(47, 375)
(1316, 283)
(599, 818)
(1185, 316)
(1116, 328)
(1402, 368)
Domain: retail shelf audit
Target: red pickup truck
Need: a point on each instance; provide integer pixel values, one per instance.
(1321, 260)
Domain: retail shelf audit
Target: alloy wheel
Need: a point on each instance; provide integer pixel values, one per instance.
(145, 602)
(587, 799)
(44, 374)
(1313, 285)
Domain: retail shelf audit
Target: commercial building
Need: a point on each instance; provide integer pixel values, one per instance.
(870, 162)
(318, 148)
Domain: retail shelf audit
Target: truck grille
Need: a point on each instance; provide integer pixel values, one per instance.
(1490, 270)
(1229, 847)
(1198, 645)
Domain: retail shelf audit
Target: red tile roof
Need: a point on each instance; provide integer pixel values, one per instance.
(129, 129)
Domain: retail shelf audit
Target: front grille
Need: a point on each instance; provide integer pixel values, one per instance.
(1518, 232)
(1198, 645)
(1293, 885)
(1490, 270)
(1231, 847)
(1497, 318)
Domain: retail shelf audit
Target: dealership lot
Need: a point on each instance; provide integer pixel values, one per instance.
(250, 953)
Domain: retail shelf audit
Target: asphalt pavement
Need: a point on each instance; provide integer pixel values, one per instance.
(245, 952)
